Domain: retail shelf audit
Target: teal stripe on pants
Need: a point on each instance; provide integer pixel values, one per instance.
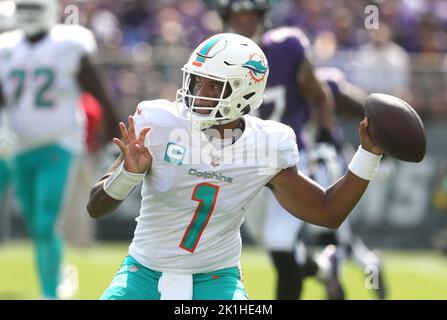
(40, 178)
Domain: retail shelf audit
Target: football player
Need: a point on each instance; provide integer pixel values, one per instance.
(6, 23)
(202, 159)
(44, 66)
(293, 96)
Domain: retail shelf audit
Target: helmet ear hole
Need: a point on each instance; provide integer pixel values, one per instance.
(226, 111)
(247, 109)
(248, 96)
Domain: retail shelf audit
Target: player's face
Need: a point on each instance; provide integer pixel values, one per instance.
(245, 22)
(204, 87)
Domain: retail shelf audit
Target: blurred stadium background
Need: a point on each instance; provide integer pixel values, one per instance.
(142, 45)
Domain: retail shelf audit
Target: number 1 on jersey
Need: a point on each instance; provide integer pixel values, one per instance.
(206, 194)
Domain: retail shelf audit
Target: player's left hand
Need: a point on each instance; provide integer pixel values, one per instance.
(136, 156)
(366, 140)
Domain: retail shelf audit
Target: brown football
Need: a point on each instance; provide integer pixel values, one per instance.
(396, 127)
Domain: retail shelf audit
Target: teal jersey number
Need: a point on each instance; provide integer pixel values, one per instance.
(47, 75)
(41, 99)
(206, 195)
(19, 77)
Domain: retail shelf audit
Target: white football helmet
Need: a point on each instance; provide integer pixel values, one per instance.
(239, 64)
(36, 16)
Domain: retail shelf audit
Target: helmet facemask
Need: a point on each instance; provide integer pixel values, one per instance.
(218, 110)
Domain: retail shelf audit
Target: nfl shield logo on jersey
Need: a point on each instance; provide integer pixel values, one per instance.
(174, 153)
(215, 160)
(133, 268)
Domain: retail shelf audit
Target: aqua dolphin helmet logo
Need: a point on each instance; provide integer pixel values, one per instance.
(257, 66)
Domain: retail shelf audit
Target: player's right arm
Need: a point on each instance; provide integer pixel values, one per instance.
(100, 203)
(90, 80)
(308, 201)
(136, 160)
(318, 94)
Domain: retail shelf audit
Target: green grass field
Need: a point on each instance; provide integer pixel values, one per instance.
(410, 275)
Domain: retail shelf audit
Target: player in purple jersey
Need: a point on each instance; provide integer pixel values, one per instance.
(293, 96)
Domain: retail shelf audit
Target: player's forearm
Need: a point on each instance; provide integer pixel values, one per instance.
(341, 198)
(323, 103)
(313, 204)
(100, 203)
(308, 201)
(97, 90)
(318, 95)
(91, 81)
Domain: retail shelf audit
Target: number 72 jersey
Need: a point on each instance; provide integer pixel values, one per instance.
(40, 86)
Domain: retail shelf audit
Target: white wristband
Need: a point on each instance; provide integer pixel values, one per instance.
(121, 183)
(364, 164)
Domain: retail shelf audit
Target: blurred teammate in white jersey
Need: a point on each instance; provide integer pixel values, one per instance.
(44, 67)
(6, 23)
(202, 159)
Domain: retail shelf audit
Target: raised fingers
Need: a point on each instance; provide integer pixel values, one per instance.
(131, 129)
(143, 135)
(363, 129)
(120, 145)
(124, 132)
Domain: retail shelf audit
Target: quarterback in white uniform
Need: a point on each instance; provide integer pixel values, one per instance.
(210, 189)
(202, 159)
(43, 69)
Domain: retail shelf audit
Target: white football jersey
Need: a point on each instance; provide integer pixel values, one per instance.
(40, 85)
(195, 196)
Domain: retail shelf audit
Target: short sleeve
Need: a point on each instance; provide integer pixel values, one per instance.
(154, 114)
(88, 43)
(287, 150)
(82, 38)
(287, 39)
(139, 118)
(298, 44)
(282, 148)
(73, 42)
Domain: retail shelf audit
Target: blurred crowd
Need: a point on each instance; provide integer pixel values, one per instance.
(143, 43)
(404, 56)
(415, 25)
